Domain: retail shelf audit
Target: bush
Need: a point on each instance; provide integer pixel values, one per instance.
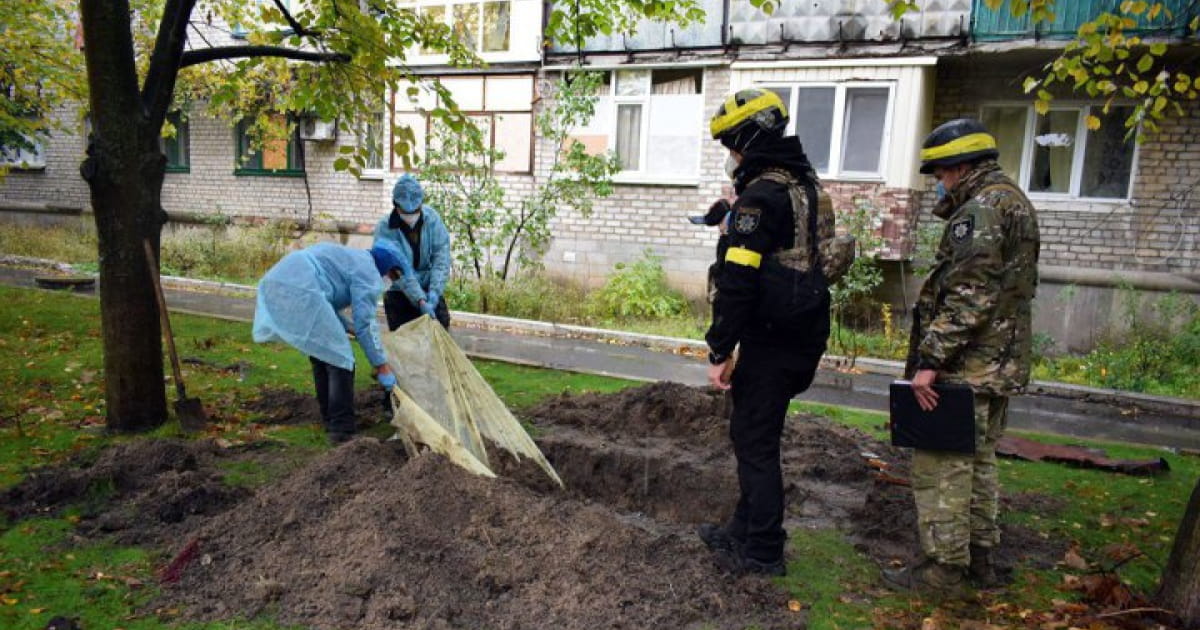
(529, 296)
(240, 254)
(638, 291)
(76, 244)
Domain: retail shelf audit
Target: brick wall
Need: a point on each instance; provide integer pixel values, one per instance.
(59, 183)
(1157, 230)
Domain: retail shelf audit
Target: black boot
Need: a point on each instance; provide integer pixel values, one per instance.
(732, 561)
(717, 538)
(983, 571)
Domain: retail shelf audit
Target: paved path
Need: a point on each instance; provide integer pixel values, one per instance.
(1119, 419)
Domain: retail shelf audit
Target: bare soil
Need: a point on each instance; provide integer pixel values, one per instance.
(362, 537)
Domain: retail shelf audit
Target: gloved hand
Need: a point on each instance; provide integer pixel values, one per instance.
(432, 299)
(428, 310)
(387, 380)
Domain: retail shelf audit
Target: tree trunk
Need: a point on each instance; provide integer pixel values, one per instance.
(1180, 590)
(125, 171)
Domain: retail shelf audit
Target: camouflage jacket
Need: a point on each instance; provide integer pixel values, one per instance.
(972, 322)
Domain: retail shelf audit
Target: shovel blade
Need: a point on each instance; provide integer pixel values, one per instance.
(191, 414)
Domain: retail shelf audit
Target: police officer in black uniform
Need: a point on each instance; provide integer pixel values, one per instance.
(772, 236)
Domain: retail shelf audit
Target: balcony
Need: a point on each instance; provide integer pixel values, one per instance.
(989, 25)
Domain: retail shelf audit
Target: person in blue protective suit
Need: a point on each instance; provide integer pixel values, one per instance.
(300, 302)
(422, 237)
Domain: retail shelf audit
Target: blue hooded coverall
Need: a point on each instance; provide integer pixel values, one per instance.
(430, 261)
(298, 303)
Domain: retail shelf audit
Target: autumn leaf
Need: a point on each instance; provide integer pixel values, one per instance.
(1093, 122)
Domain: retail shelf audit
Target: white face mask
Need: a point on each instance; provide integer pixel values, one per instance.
(411, 218)
(731, 165)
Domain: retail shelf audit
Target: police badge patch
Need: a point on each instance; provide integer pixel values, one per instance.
(962, 230)
(745, 221)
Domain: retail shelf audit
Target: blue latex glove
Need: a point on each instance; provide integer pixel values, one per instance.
(387, 379)
(427, 309)
(432, 298)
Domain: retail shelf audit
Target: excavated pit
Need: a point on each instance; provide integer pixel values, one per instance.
(361, 536)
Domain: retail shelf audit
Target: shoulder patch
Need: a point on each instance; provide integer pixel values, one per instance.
(746, 220)
(962, 230)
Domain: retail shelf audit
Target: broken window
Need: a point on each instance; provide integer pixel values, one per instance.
(1056, 154)
(276, 154)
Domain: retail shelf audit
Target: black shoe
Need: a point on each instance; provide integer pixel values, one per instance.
(341, 438)
(736, 564)
(717, 538)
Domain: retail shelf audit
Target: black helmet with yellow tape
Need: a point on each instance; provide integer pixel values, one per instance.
(746, 116)
(960, 140)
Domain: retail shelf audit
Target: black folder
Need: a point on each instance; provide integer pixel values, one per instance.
(948, 427)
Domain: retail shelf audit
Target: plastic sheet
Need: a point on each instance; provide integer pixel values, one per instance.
(438, 385)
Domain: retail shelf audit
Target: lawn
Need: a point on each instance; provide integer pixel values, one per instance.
(53, 408)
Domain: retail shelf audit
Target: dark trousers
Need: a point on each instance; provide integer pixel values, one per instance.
(335, 395)
(400, 311)
(764, 382)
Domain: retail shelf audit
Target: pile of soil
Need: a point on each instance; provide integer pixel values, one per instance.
(361, 536)
(142, 492)
(285, 406)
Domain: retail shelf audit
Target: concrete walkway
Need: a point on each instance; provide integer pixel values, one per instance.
(1050, 407)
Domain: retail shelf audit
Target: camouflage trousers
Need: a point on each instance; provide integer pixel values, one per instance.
(957, 495)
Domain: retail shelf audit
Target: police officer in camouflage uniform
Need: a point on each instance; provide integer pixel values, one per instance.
(971, 324)
(781, 228)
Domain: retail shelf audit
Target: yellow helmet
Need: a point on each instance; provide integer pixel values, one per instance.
(747, 114)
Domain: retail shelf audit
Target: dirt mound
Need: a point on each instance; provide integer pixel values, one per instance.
(282, 405)
(660, 409)
(362, 538)
(663, 450)
(141, 492)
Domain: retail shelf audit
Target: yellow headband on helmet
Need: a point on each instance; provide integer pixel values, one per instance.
(979, 141)
(734, 115)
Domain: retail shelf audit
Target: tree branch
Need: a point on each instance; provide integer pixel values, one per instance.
(296, 27)
(159, 87)
(193, 57)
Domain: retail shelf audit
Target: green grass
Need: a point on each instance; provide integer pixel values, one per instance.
(53, 408)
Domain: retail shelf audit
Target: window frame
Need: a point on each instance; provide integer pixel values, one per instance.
(1084, 109)
(483, 112)
(448, 6)
(642, 175)
(182, 128)
(837, 126)
(26, 166)
(361, 134)
(292, 146)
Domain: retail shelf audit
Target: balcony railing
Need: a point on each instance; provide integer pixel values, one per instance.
(1001, 25)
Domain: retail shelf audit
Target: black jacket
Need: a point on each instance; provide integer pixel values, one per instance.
(762, 224)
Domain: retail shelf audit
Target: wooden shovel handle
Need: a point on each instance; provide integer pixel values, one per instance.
(152, 263)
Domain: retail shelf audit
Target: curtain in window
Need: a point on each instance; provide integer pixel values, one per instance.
(629, 136)
(1007, 125)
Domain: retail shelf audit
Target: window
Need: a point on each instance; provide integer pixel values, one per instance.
(653, 120)
(843, 127)
(274, 157)
(501, 106)
(176, 146)
(372, 137)
(482, 26)
(1054, 154)
(20, 151)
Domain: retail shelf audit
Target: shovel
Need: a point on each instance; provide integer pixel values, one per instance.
(189, 410)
